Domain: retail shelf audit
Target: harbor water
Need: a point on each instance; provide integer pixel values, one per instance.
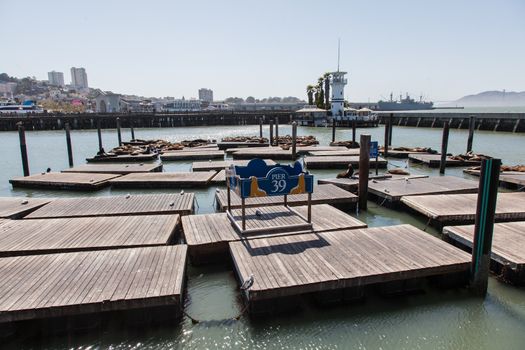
(436, 319)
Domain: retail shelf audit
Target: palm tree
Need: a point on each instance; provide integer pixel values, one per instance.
(326, 77)
(310, 92)
(320, 101)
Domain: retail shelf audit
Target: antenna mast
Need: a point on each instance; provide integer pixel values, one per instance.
(338, 52)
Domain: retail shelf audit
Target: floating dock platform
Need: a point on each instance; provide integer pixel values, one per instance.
(393, 190)
(146, 204)
(192, 155)
(164, 180)
(219, 165)
(346, 152)
(208, 235)
(219, 179)
(64, 181)
(18, 207)
(121, 169)
(275, 153)
(126, 158)
(340, 264)
(399, 153)
(508, 248)
(49, 236)
(70, 284)
(339, 162)
(231, 145)
(433, 160)
(352, 184)
(461, 208)
(508, 179)
(322, 194)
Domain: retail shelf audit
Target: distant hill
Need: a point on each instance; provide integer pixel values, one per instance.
(493, 99)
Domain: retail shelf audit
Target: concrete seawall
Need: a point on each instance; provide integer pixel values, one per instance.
(509, 122)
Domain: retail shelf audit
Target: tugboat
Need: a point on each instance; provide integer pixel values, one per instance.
(404, 104)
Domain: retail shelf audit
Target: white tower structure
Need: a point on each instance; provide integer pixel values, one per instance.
(338, 83)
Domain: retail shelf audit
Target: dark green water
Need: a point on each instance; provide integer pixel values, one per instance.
(435, 320)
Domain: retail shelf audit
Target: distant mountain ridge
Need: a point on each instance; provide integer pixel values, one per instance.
(493, 99)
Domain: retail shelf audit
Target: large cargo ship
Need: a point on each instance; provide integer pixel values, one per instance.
(404, 104)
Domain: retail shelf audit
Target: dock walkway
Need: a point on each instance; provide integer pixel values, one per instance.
(461, 208)
(394, 190)
(192, 154)
(339, 162)
(147, 204)
(47, 236)
(207, 235)
(126, 158)
(322, 194)
(338, 260)
(55, 285)
(508, 247)
(352, 184)
(121, 169)
(219, 165)
(18, 207)
(433, 160)
(64, 181)
(164, 180)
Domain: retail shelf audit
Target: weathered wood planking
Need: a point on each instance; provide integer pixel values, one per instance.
(351, 184)
(399, 153)
(164, 180)
(223, 145)
(47, 236)
(339, 162)
(506, 178)
(394, 190)
(219, 178)
(116, 168)
(298, 264)
(322, 194)
(126, 158)
(17, 207)
(193, 154)
(219, 165)
(65, 181)
(207, 235)
(146, 204)
(461, 208)
(433, 160)
(347, 152)
(508, 247)
(54, 285)
(276, 153)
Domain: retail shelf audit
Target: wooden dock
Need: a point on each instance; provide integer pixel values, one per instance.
(164, 180)
(219, 178)
(231, 145)
(339, 162)
(461, 208)
(18, 207)
(399, 153)
(342, 261)
(207, 235)
(433, 160)
(125, 158)
(192, 155)
(219, 165)
(509, 179)
(135, 204)
(64, 181)
(121, 169)
(81, 283)
(322, 194)
(508, 248)
(351, 184)
(49, 236)
(394, 190)
(347, 152)
(275, 153)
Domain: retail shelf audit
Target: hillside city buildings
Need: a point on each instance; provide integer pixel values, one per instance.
(206, 95)
(56, 78)
(79, 78)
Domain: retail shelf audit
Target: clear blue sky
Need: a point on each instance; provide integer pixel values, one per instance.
(442, 48)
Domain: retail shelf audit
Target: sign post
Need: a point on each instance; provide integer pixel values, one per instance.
(374, 153)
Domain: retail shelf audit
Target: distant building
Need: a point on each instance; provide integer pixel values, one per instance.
(182, 105)
(267, 106)
(206, 95)
(56, 78)
(107, 102)
(8, 89)
(337, 102)
(79, 78)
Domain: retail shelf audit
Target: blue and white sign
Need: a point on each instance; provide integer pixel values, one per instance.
(374, 149)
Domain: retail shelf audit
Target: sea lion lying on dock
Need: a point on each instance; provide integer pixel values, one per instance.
(398, 172)
(346, 174)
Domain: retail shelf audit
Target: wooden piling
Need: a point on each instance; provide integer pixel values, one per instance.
(444, 145)
(333, 129)
(387, 134)
(484, 226)
(271, 132)
(353, 130)
(23, 148)
(391, 128)
(68, 144)
(277, 130)
(99, 133)
(131, 128)
(471, 124)
(364, 164)
(119, 134)
(260, 128)
(294, 140)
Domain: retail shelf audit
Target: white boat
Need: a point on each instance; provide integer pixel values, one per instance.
(28, 107)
